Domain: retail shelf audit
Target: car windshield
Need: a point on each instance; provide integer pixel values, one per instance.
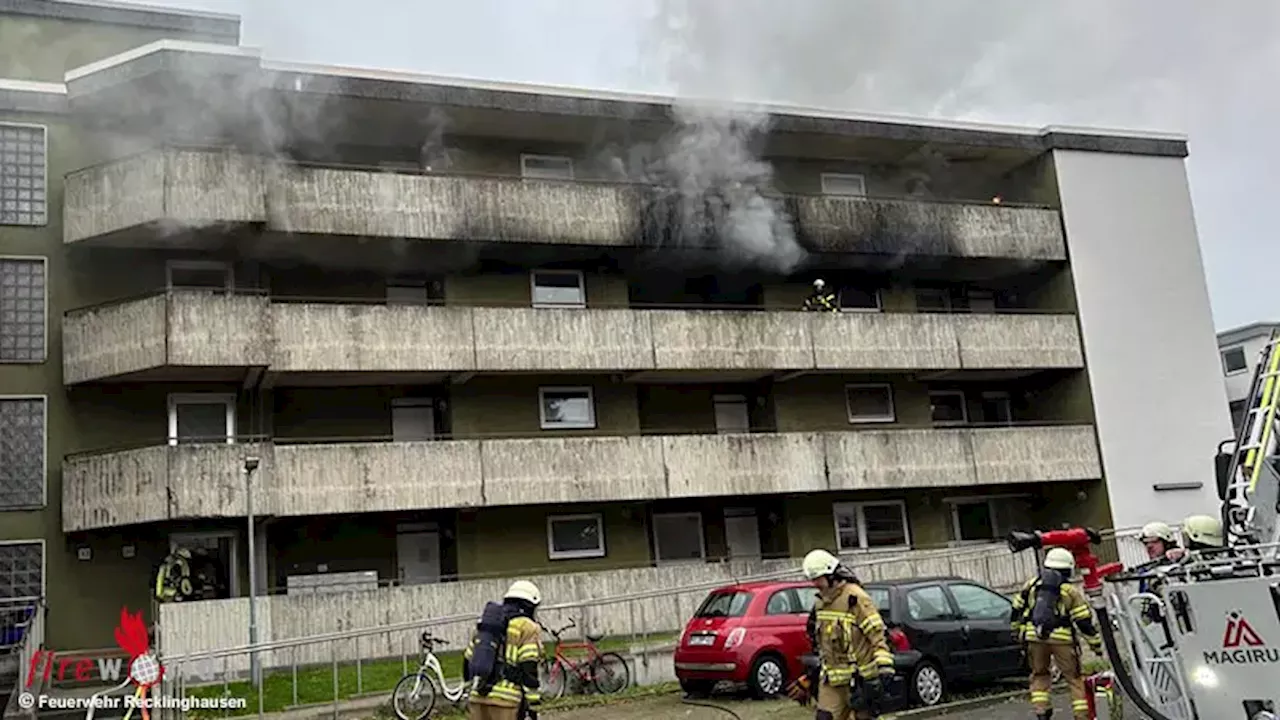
(724, 604)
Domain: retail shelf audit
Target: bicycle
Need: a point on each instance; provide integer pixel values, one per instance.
(426, 684)
(608, 672)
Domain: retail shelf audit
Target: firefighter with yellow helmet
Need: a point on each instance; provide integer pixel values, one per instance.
(1047, 615)
(848, 635)
(173, 578)
(1202, 532)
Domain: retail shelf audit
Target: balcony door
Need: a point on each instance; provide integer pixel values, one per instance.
(202, 418)
(418, 552)
(215, 562)
(413, 419)
(742, 533)
(733, 414)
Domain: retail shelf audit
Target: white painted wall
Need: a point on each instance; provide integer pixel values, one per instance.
(1148, 332)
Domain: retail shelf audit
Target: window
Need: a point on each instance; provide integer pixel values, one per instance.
(567, 408)
(929, 603)
(558, 288)
(202, 418)
(413, 419)
(199, 275)
(996, 408)
(948, 407)
(23, 307)
(546, 167)
(843, 184)
(23, 175)
(871, 525)
(854, 299)
(21, 569)
(678, 536)
(22, 452)
(979, 603)
(869, 403)
(930, 299)
(575, 536)
(732, 413)
(783, 602)
(413, 291)
(1234, 360)
(724, 604)
(986, 519)
(982, 301)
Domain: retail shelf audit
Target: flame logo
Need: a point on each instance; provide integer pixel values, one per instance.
(144, 669)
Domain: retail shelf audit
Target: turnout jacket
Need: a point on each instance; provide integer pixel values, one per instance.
(849, 635)
(519, 679)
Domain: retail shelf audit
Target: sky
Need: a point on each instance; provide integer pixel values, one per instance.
(1210, 70)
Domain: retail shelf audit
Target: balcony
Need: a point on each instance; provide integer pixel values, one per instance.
(184, 334)
(161, 191)
(204, 481)
(192, 335)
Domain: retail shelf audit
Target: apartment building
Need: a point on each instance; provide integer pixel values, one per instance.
(1240, 348)
(460, 351)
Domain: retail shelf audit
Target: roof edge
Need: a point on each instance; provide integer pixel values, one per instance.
(26, 96)
(222, 25)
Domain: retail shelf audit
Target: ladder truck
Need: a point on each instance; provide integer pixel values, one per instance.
(1199, 638)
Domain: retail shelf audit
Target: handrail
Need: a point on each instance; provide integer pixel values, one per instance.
(339, 165)
(470, 617)
(647, 432)
(494, 302)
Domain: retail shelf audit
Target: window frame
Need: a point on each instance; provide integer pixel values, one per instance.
(892, 417)
(858, 507)
(1244, 356)
(657, 545)
(542, 407)
(949, 589)
(229, 273)
(524, 167)
(44, 303)
(1000, 396)
(953, 509)
(44, 562)
(44, 451)
(964, 408)
(554, 554)
(533, 288)
(826, 176)
(233, 572)
(878, 293)
(44, 133)
(176, 399)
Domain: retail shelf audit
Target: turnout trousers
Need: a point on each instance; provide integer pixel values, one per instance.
(1042, 656)
(833, 704)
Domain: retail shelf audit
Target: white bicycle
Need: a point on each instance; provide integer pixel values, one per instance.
(420, 689)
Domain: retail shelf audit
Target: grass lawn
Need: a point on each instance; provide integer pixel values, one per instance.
(315, 684)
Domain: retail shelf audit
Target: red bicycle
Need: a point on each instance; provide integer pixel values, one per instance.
(607, 672)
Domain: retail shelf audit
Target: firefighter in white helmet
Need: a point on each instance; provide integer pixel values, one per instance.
(821, 300)
(505, 673)
(1047, 614)
(849, 637)
(1158, 539)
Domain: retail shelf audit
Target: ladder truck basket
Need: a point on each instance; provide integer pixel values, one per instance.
(1143, 651)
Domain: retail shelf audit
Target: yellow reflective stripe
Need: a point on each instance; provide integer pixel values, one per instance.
(1079, 705)
(1270, 396)
(533, 698)
(834, 615)
(529, 652)
(884, 657)
(1080, 612)
(872, 624)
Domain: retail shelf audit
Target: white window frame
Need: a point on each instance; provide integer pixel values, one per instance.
(44, 560)
(554, 554)
(702, 538)
(1000, 396)
(227, 269)
(233, 572)
(964, 408)
(858, 508)
(176, 399)
(524, 166)
(879, 295)
(44, 131)
(542, 407)
(893, 410)
(533, 288)
(44, 301)
(44, 449)
(1245, 355)
(834, 176)
(953, 504)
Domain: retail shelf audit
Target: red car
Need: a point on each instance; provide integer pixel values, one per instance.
(752, 634)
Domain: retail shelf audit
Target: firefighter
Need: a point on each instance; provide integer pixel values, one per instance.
(1202, 532)
(1047, 614)
(853, 652)
(173, 578)
(515, 695)
(820, 300)
(1159, 540)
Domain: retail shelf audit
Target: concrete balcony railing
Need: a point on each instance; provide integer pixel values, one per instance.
(186, 329)
(192, 188)
(210, 330)
(204, 481)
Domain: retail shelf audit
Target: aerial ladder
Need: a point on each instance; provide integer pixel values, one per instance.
(1199, 638)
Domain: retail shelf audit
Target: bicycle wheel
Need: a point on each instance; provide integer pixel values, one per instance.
(554, 678)
(414, 697)
(610, 674)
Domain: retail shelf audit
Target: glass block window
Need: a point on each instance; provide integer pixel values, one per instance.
(21, 452)
(23, 175)
(21, 570)
(22, 310)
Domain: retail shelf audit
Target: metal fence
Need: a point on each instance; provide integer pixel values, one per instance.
(21, 636)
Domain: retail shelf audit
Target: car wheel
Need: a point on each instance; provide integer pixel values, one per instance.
(768, 677)
(697, 688)
(927, 684)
